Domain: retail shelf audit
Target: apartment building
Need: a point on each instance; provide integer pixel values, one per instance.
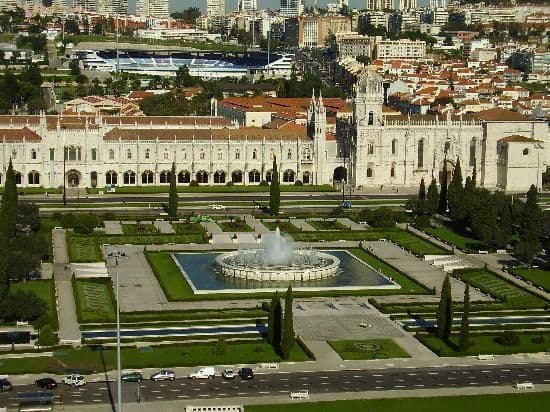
(402, 49)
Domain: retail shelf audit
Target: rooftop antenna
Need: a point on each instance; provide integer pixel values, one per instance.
(268, 40)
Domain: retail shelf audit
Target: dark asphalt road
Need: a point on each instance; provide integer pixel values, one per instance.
(271, 384)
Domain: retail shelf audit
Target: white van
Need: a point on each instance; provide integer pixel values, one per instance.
(203, 373)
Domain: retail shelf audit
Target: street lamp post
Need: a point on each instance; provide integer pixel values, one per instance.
(116, 255)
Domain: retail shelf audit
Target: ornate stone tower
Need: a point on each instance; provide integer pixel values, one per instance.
(368, 100)
(317, 129)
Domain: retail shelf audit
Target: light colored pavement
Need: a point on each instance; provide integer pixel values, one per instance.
(256, 224)
(69, 330)
(351, 224)
(163, 226)
(113, 227)
(212, 227)
(302, 225)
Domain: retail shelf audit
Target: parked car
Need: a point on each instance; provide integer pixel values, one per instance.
(163, 375)
(46, 383)
(74, 380)
(217, 207)
(207, 372)
(228, 374)
(131, 377)
(5, 385)
(246, 374)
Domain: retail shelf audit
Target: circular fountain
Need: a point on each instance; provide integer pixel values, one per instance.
(278, 260)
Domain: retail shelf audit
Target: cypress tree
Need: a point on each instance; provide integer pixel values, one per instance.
(8, 226)
(474, 174)
(274, 190)
(443, 191)
(277, 326)
(456, 194)
(432, 198)
(445, 311)
(173, 194)
(464, 338)
(422, 190)
(530, 229)
(271, 317)
(287, 338)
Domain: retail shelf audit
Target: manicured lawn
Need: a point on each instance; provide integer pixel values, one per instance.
(486, 344)
(171, 280)
(188, 227)
(83, 248)
(139, 229)
(510, 402)
(284, 226)
(235, 226)
(94, 299)
(329, 224)
(164, 356)
(45, 290)
(335, 236)
(539, 277)
(459, 240)
(408, 286)
(251, 313)
(368, 349)
(414, 244)
(499, 288)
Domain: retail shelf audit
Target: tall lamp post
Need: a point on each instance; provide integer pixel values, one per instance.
(64, 175)
(117, 255)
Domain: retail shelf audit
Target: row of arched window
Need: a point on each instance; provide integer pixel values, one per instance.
(33, 178)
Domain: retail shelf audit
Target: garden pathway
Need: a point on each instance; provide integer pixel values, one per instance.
(303, 225)
(113, 227)
(69, 329)
(256, 224)
(163, 226)
(212, 227)
(346, 221)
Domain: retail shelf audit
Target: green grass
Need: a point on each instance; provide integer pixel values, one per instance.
(511, 402)
(284, 226)
(159, 357)
(45, 290)
(235, 226)
(328, 236)
(408, 285)
(539, 277)
(330, 224)
(94, 299)
(139, 229)
(185, 228)
(181, 315)
(171, 280)
(222, 189)
(486, 344)
(83, 248)
(368, 349)
(415, 244)
(456, 239)
(500, 288)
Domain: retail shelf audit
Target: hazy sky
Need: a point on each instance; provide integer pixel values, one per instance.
(231, 5)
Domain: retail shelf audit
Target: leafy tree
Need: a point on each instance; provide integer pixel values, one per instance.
(184, 79)
(46, 337)
(381, 217)
(288, 336)
(71, 27)
(274, 190)
(464, 338)
(74, 65)
(530, 229)
(85, 223)
(23, 305)
(189, 15)
(432, 198)
(221, 347)
(271, 317)
(33, 74)
(173, 195)
(445, 311)
(443, 192)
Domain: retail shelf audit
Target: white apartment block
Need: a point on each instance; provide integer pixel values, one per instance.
(353, 45)
(378, 18)
(292, 8)
(86, 5)
(440, 17)
(407, 4)
(402, 49)
(6, 5)
(380, 4)
(215, 8)
(112, 7)
(248, 5)
(153, 8)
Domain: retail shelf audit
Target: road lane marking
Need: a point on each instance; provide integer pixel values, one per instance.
(183, 396)
(263, 392)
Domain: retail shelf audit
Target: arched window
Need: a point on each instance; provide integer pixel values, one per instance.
(237, 154)
(254, 176)
(237, 176)
(147, 153)
(18, 178)
(219, 176)
(111, 154)
(201, 155)
(166, 154)
(394, 147)
(202, 176)
(184, 154)
(129, 178)
(94, 154)
(268, 176)
(369, 172)
(370, 148)
(220, 154)
(289, 154)
(371, 118)
(111, 178)
(307, 153)
(184, 177)
(34, 178)
(33, 154)
(420, 162)
(164, 176)
(288, 176)
(147, 178)
(392, 170)
(306, 178)
(472, 160)
(254, 154)
(129, 154)
(14, 154)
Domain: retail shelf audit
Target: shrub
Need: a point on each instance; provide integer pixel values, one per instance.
(47, 337)
(381, 217)
(85, 223)
(230, 183)
(22, 305)
(220, 348)
(423, 221)
(508, 338)
(194, 183)
(298, 183)
(538, 339)
(264, 183)
(337, 212)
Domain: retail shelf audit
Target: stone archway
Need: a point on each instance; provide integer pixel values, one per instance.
(340, 174)
(73, 178)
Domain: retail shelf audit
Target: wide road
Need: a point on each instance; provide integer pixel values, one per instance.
(270, 384)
